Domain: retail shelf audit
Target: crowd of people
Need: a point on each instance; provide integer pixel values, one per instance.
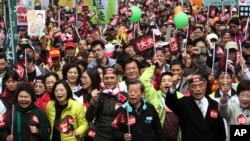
(90, 81)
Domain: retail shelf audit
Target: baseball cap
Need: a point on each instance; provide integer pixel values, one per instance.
(212, 36)
(70, 44)
(231, 45)
(246, 44)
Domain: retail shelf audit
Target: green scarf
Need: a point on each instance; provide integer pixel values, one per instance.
(41, 117)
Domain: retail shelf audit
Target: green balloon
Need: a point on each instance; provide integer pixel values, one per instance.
(136, 14)
(180, 20)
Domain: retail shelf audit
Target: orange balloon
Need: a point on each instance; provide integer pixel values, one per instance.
(197, 2)
(194, 10)
(177, 10)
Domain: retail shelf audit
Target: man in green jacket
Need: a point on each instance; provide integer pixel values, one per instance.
(170, 122)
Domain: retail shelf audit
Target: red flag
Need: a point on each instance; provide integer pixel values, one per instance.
(230, 65)
(219, 52)
(20, 70)
(238, 57)
(173, 43)
(70, 36)
(130, 36)
(63, 37)
(113, 22)
(145, 43)
(49, 61)
(224, 16)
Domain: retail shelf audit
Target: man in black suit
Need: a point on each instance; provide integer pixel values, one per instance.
(198, 114)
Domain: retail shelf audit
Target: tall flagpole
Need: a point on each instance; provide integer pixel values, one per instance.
(12, 119)
(226, 63)
(128, 120)
(12, 33)
(213, 58)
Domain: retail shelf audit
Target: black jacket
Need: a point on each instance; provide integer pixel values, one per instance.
(144, 123)
(103, 111)
(194, 127)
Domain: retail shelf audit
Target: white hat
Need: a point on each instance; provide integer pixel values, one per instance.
(231, 45)
(212, 36)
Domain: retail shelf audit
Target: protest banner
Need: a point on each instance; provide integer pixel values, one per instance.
(22, 15)
(105, 10)
(244, 8)
(29, 4)
(10, 42)
(36, 22)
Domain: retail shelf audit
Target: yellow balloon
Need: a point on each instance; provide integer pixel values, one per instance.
(121, 30)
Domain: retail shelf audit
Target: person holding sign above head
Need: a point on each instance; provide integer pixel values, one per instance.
(39, 25)
(198, 114)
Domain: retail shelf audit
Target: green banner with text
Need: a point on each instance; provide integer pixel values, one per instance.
(10, 42)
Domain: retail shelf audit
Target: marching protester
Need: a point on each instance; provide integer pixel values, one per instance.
(136, 119)
(169, 120)
(49, 40)
(66, 116)
(104, 103)
(236, 113)
(27, 122)
(7, 99)
(203, 122)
